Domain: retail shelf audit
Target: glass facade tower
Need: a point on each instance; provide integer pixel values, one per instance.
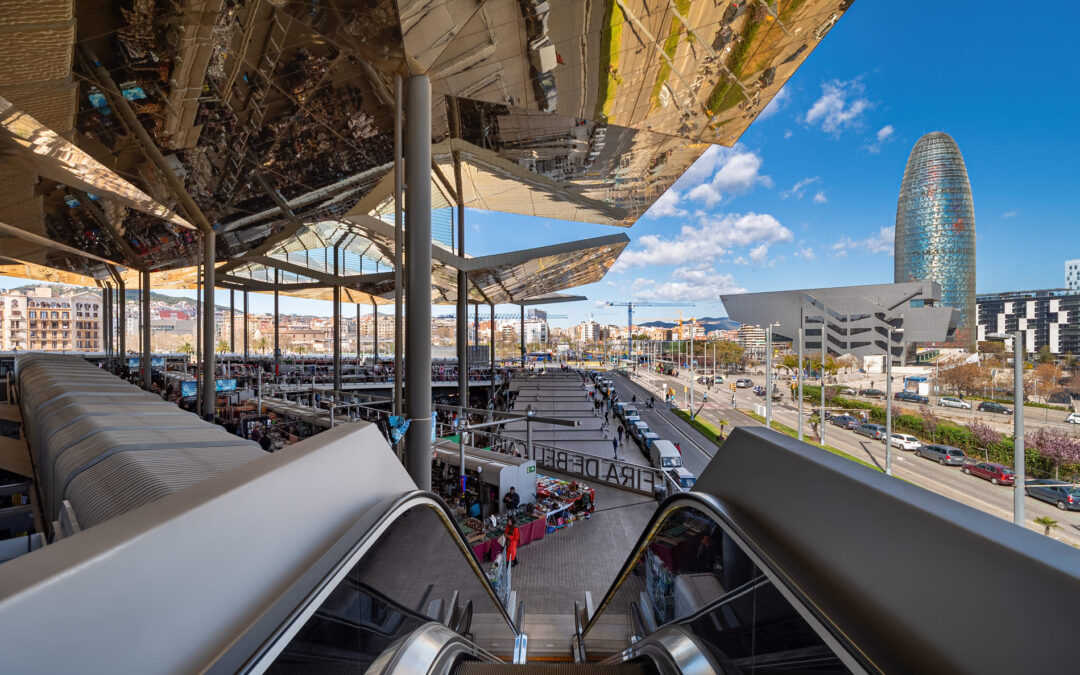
(935, 227)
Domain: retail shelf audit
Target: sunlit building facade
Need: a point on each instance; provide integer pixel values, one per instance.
(935, 227)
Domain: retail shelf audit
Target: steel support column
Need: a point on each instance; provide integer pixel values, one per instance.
(418, 271)
(1019, 463)
(399, 253)
(277, 349)
(374, 329)
(144, 360)
(462, 323)
(232, 321)
(491, 390)
(522, 336)
(337, 329)
(121, 328)
(106, 320)
(245, 326)
(209, 390)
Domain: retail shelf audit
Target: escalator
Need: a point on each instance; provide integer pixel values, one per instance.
(408, 597)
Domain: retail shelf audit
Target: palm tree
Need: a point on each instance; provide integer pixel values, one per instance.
(1047, 522)
(262, 344)
(186, 349)
(222, 346)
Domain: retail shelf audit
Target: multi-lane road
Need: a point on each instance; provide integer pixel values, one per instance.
(946, 481)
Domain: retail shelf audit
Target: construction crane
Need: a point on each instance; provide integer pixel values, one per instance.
(630, 305)
(507, 317)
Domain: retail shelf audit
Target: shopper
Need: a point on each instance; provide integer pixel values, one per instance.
(511, 499)
(513, 538)
(615, 447)
(620, 433)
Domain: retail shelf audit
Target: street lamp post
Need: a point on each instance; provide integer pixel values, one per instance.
(1019, 465)
(821, 415)
(768, 374)
(888, 398)
(1018, 428)
(800, 375)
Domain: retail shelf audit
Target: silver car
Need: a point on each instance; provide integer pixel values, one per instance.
(946, 455)
(874, 431)
(953, 402)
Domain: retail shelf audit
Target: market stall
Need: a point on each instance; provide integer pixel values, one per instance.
(561, 502)
(488, 476)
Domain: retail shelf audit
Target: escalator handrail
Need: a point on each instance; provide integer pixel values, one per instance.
(818, 620)
(283, 634)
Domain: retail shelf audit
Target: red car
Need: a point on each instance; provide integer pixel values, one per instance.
(998, 474)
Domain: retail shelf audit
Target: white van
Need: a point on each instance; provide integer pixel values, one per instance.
(663, 455)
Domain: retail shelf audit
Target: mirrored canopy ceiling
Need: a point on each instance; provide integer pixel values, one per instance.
(277, 117)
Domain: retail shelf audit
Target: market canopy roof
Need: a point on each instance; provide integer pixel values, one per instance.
(278, 117)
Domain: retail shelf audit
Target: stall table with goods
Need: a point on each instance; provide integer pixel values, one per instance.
(561, 502)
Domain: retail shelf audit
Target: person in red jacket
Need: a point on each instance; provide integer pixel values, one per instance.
(513, 538)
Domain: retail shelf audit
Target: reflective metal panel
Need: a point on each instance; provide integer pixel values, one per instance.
(696, 70)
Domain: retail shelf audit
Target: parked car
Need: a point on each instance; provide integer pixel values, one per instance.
(998, 474)
(744, 383)
(874, 431)
(906, 442)
(1065, 496)
(664, 455)
(639, 429)
(647, 438)
(1073, 418)
(630, 415)
(847, 391)
(846, 421)
(683, 477)
(946, 455)
(990, 406)
(872, 393)
(910, 397)
(953, 402)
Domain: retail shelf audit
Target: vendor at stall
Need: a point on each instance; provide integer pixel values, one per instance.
(511, 500)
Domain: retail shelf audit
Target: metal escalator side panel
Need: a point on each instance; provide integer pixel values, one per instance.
(413, 559)
(432, 649)
(693, 540)
(920, 582)
(676, 649)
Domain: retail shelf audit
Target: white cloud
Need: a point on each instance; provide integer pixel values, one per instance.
(687, 284)
(788, 133)
(882, 242)
(740, 260)
(798, 189)
(721, 172)
(667, 206)
(841, 106)
(819, 198)
(775, 105)
(805, 253)
(1010, 214)
(758, 253)
(884, 135)
(711, 238)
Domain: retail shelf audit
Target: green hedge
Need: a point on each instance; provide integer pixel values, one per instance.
(948, 433)
(705, 428)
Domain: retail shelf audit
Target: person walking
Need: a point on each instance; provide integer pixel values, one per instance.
(615, 447)
(620, 433)
(513, 538)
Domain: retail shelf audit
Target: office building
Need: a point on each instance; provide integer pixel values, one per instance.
(1049, 318)
(935, 227)
(1072, 274)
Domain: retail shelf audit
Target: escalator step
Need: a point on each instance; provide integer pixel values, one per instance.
(479, 668)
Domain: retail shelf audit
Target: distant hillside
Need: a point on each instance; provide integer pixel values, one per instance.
(708, 322)
(132, 295)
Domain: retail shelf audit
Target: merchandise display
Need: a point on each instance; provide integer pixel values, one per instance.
(561, 502)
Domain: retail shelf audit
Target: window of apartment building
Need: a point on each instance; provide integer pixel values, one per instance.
(33, 314)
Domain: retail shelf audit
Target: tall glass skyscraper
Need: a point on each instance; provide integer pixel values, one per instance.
(935, 227)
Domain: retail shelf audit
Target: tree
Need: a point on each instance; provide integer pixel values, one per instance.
(222, 346)
(985, 436)
(967, 378)
(1048, 523)
(1057, 446)
(728, 352)
(992, 347)
(930, 422)
(186, 349)
(1045, 355)
(262, 344)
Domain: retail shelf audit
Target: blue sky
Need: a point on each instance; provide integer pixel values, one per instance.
(808, 196)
